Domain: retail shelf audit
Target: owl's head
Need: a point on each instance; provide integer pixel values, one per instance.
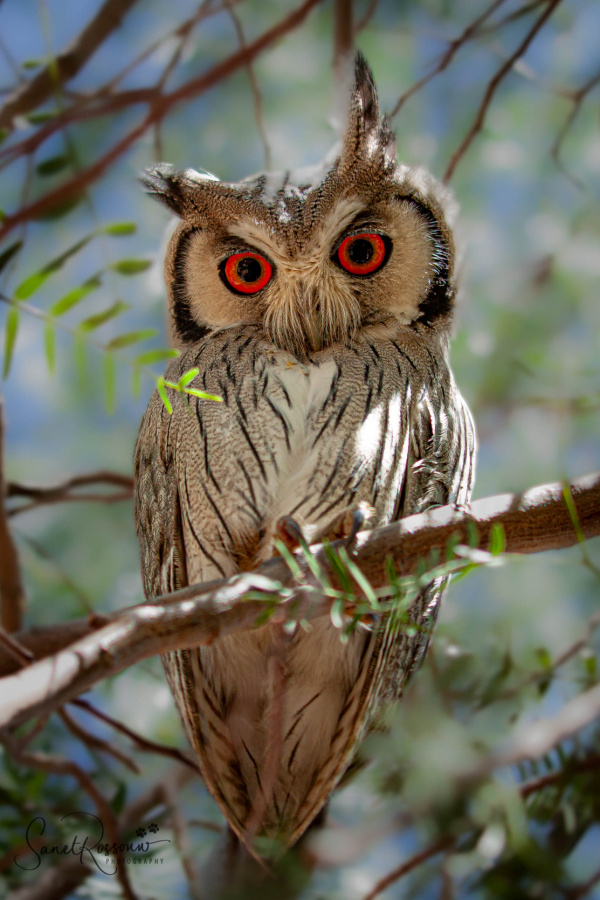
(357, 245)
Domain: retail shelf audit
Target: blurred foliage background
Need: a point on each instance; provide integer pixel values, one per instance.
(83, 335)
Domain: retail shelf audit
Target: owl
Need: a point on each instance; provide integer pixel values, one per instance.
(318, 306)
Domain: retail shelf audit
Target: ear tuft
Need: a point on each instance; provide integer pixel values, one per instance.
(367, 136)
(164, 183)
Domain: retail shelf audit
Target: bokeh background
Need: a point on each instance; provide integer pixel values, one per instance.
(525, 354)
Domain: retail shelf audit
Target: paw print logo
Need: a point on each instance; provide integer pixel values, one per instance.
(153, 827)
(141, 832)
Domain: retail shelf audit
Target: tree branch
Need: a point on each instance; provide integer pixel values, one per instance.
(66, 492)
(533, 521)
(12, 596)
(67, 64)
(61, 880)
(493, 86)
(161, 105)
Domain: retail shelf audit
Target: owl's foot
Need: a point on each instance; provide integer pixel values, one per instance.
(289, 533)
(358, 520)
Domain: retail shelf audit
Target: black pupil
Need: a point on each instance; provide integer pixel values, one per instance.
(249, 269)
(360, 251)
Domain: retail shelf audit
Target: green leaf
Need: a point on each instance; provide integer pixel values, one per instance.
(33, 282)
(52, 165)
(132, 337)
(75, 296)
(50, 345)
(8, 254)
(186, 378)
(110, 381)
(80, 350)
(160, 386)
(203, 395)
(11, 328)
(289, 558)
(497, 539)
(38, 118)
(60, 208)
(119, 229)
(32, 63)
(100, 318)
(131, 266)
(337, 614)
(136, 382)
(361, 580)
(154, 356)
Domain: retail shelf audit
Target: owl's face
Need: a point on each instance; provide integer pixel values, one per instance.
(359, 245)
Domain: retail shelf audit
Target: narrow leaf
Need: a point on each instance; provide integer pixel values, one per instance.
(75, 296)
(61, 208)
(100, 318)
(50, 345)
(110, 381)
(497, 539)
(118, 229)
(131, 266)
(11, 328)
(154, 356)
(203, 395)
(52, 164)
(80, 350)
(361, 580)
(160, 386)
(33, 282)
(136, 382)
(132, 337)
(186, 378)
(8, 254)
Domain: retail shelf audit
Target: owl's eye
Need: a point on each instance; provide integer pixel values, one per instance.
(247, 272)
(363, 254)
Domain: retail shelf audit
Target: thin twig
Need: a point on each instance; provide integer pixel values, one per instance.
(367, 16)
(182, 840)
(492, 87)
(64, 492)
(343, 44)
(56, 765)
(551, 779)
(141, 743)
(577, 97)
(454, 46)
(396, 874)
(67, 64)
(94, 742)
(161, 105)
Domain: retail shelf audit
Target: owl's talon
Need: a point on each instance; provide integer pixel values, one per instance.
(289, 533)
(358, 520)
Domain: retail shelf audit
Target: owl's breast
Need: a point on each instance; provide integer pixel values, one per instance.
(312, 440)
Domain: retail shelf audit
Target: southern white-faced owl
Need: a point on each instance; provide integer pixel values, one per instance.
(318, 306)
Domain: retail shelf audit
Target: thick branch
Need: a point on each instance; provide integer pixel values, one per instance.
(11, 586)
(67, 64)
(533, 521)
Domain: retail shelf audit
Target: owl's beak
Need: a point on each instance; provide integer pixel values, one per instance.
(314, 329)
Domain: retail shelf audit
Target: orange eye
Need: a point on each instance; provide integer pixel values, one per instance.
(247, 272)
(362, 254)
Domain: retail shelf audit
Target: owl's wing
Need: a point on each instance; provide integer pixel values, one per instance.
(159, 511)
(439, 470)
(157, 507)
